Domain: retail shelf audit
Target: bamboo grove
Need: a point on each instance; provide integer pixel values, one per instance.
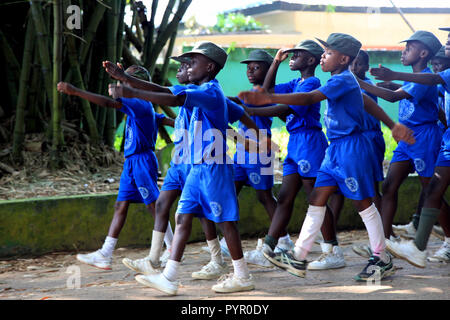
(39, 48)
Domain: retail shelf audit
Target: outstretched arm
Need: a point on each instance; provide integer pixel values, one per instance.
(98, 99)
(116, 72)
(273, 111)
(299, 98)
(271, 74)
(399, 131)
(161, 98)
(386, 74)
(386, 94)
(169, 122)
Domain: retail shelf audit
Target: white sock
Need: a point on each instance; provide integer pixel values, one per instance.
(310, 229)
(240, 268)
(171, 270)
(285, 238)
(108, 246)
(223, 242)
(374, 226)
(156, 246)
(216, 252)
(168, 236)
(447, 240)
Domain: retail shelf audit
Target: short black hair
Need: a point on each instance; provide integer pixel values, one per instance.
(364, 56)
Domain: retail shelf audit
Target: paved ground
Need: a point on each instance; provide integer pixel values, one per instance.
(52, 277)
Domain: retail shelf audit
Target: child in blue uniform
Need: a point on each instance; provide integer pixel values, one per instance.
(138, 182)
(414, 251)
(307, 142)
(347, 165)
(209, 189)
(418, 111)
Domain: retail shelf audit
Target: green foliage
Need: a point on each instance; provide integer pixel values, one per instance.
(391, 144)
(234, 22)
(330, 8)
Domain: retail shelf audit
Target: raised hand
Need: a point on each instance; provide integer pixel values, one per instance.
(401, 132)
(387, 85)
(259, 97)
(66, 88)
(382, 73)
(281, 55)
(114, 70)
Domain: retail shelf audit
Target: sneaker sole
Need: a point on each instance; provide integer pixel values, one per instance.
(227, 290)
(437, 260)
(130, 266)
(93, 265)
(395, 254)
(388, 273)
(291, 270)
(155, 286)
(205, 277)
(327, 268)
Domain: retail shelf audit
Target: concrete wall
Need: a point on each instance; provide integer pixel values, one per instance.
(79, 223)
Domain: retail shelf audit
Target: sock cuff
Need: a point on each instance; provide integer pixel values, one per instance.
(271, 242)
(431, 212)
(368, 211)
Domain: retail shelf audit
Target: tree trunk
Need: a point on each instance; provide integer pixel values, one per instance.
(91, 29)
(19, 127)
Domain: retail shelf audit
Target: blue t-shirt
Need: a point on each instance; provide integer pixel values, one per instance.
(344, 114)
(370, 122)
(141, 128)
(209, 122)
(421, 108)
(445, 75)
(303, 117)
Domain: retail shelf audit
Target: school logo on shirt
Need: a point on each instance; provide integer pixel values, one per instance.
(304, 165)
(128, 137)
(289, 118)
(352, 184)
(179, 128)
(406, 110)
(255, 178)
(216, 208)
(419, 164)
(144, 192)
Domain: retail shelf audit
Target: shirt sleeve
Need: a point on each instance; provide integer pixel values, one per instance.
(334, 88)
(287, 87)
(445, 75)
(135, 107)
(204, 97)
(158, 118)
(415, 90)
(235, 111)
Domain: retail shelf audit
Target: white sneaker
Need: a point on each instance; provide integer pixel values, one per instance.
(284, 245)
(256, 256)
(164, 257)
(407, 231)
(442, 254)
(319, 238)
(438, 232)
(362, 250)
(331, 258)
(143, 265)
(212, 270)
(96, 259)
(408, 251)
(158, 281)
(223, 247)
(231, 283)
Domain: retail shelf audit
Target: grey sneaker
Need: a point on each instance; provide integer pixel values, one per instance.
(143, 265)
(286, 261)
(442, 254)
(212, 270)
(231, 283)
(331, 258)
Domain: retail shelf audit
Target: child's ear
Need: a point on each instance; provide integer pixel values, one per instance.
(345, 59)
(311, 61)
(424, 53)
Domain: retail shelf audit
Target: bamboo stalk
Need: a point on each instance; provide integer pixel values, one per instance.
(120, 29)
(128, 57)
(19, 126)
(91, 29)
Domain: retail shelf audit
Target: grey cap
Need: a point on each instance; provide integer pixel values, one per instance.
(259, 56)
(209, 50)
(445, 29)
(344, 43)
(441, 53)
(180, 59)
(310, 46)
(428, 39)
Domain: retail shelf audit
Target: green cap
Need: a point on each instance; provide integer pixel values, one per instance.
(181, 59)
(209, 50)
(445, 29)
(441, 53)
(259, 56)
(139, 72)
(344, 43)
(310, 46)
(428, 39)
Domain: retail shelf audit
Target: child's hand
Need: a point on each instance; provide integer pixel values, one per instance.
(401, 132)
(382, 73)
(281, 55)
(119, 91)
(259, 97)
(266, 145)
(66, 88)
(387, 85)
(115, 71)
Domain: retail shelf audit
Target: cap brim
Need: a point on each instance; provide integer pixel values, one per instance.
(180, 59)
(445, 29)
(323, 43)
(254, 60)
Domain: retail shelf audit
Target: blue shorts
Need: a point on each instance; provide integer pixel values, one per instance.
(251, 175)
(306, 150)
(348, 165)
(176, 177)
(443, 159)
(138, 182)
(209, 193)
(379, 148)
(424, 152)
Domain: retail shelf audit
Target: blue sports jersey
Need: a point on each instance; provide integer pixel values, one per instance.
(370, 122)
(344, 114)
(141, 128)
(445, 75)
(209, 122)
(303, 117)
(421, 108)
